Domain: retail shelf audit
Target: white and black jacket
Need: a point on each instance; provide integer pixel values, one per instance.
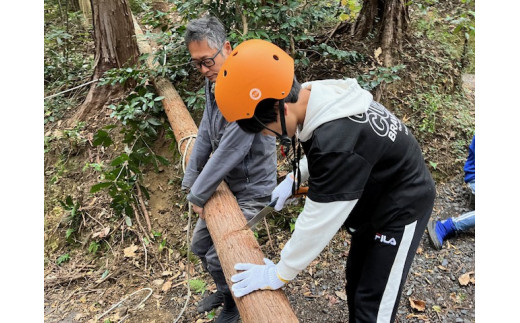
(363, 166)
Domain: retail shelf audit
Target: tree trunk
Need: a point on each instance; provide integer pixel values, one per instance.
(223, 216)
(73, 5)
(86, 9)
(389, 20)
(116, 47)
(365, 22)
(395, 22)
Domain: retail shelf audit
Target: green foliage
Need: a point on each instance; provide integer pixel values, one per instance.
(292, 224)
(67, 59)
(196, 100)
(138, 6)
(93, 247)
(464, 21)
(351, 9)
(285, 23)
(141, 114)
(58, 170)
(63, 258)
(139, 111)
(211, 315)
(154, 18)
(435, 108)
(378, 76)
(338, 54)
(197, 285)
(455, 32)
(73, 218)
(162, 245)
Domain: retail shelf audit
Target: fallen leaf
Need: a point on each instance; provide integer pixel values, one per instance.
(332, 300)
(130, 251)
(457, 298)
(378, 52)
(465, 279)
(166, 286)
(418, 316)
(83, 299)
(442, 267)
(341, 295)
(101, 234)
(436, 308)
(158, 282)
(417, 304)
(419, 251)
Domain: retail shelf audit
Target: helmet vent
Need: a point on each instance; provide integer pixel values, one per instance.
(235, 53)
(225, 72)
(275, 57)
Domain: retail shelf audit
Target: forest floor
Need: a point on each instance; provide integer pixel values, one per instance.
(440, 286)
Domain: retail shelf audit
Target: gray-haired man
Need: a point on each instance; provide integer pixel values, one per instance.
(247, 162)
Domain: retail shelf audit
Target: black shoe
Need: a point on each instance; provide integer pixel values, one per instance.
(229, 313)
(212, 301)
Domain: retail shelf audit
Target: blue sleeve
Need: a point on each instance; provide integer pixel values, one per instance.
(469, 167)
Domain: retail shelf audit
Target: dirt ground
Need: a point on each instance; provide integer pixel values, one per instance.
(440, 286)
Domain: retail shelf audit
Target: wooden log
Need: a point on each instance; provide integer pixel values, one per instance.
(224, 218)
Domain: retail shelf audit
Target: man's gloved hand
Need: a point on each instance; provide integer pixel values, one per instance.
(283, 191)
(255, 277)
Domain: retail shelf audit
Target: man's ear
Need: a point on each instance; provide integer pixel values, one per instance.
(227, 47)
(285, 108)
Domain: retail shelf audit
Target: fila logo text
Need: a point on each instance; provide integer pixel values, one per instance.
(383, 239)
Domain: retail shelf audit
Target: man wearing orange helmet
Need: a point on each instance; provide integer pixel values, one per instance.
(246, 161)
(364, 168)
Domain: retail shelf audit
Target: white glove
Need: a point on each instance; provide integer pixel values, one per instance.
(283, 191)
(255, 277)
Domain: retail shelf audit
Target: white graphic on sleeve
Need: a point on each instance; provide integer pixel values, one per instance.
(384, 123)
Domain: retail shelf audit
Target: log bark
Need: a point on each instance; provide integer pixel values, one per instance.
(223, 216)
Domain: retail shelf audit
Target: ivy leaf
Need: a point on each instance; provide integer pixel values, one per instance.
(128, 221)
(154, 122)
(119, 160)
(102, 138)
(99, 186)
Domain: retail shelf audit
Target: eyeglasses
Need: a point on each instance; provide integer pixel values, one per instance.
(208, 62)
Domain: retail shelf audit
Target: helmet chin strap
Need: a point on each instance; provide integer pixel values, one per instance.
(286, 143)
(284, 138)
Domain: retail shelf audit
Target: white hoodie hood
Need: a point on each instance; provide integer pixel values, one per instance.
(330, 100)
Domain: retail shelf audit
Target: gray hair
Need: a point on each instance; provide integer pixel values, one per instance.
(207, 28)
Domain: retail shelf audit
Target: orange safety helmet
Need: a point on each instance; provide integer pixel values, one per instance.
(255, 70)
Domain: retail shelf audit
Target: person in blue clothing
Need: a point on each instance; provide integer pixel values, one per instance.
(439, 231)
(245, 161)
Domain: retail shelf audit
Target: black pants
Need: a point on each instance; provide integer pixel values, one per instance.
(377, 267)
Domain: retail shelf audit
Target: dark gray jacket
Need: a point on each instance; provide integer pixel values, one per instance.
(247, 162)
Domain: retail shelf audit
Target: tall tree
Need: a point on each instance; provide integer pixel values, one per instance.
(388, 19)
(116, 47)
